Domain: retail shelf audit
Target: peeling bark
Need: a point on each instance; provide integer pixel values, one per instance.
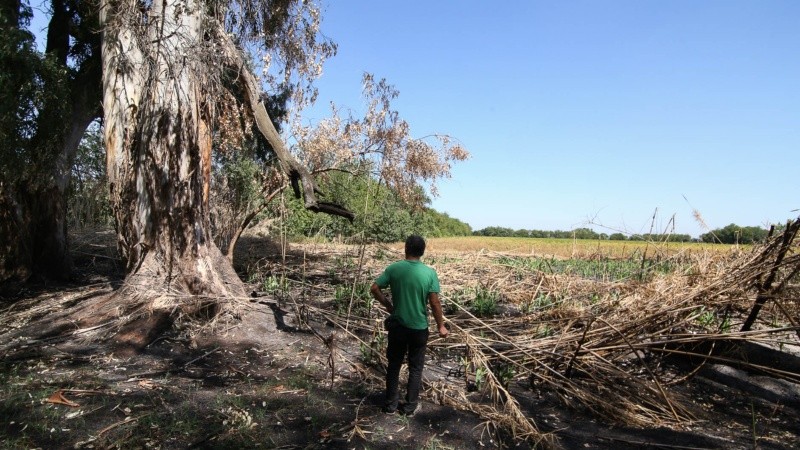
(158, 141)
(158, 148)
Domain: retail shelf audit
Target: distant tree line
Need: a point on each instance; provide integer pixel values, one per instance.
(734, 234)
(731, 234)
(579, 233)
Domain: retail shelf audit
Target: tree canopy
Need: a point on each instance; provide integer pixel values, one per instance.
(735, 234)
(194, 95)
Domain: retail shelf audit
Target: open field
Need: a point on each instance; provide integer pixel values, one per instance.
(573, 248)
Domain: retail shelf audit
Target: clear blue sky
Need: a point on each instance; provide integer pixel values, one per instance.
(578, 110)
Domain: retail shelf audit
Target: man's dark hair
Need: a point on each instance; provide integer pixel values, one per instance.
(415, 246)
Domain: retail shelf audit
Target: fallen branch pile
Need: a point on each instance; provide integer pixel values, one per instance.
(602, 346)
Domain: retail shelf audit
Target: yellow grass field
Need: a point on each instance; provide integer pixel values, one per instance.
(570, 248)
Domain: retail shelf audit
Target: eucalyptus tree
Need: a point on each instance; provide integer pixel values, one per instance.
(179, 75)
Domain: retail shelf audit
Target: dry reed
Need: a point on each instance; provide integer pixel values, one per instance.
(602, 345)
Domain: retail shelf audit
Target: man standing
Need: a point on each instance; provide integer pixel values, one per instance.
(413, 285)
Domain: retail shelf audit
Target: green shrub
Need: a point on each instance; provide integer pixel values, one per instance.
(360, 295)
(484, 303)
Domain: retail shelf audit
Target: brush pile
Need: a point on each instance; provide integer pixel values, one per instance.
(602, 344)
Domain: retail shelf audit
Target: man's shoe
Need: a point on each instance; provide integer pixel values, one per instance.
(409, 411)
(389, 409)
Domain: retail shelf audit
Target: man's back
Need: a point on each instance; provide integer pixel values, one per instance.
(410, 282)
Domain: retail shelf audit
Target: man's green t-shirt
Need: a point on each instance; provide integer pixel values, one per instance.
(410, 283)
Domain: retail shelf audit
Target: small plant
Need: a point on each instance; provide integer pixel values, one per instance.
(484, 304)
(344, 263)
(341, 266)
(505, 373)
(360, 295)
(527, 307)
(480, 377)
(605, 269)
(380, 342)
(455, 302)
(725, 326)
(544, 331)
(441, 260)
(367, 353)
(300, 380)
(706, 318)
(451, 306)
(543, 301)
(370, 353)
(275, 285)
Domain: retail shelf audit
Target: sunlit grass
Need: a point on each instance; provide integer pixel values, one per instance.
(601, 269)
(568, 248)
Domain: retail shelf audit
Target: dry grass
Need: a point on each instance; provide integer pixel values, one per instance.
(568, 248)
(601, 343)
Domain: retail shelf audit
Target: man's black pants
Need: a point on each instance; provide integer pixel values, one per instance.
(404, 341)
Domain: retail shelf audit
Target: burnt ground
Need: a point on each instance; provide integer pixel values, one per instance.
(241, 385)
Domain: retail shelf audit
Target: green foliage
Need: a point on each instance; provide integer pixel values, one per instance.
(275, 285)
(734, 234)
(711, 319)
(371, 353)
(579, 233)
(544, 330)
(480, 377)
(597, 269)
(725, 325)
(30, 85)
(454, 302)
(353, 297)
(87, 195)
(18, 95)
(504, 373)
(240, 176)
(706, 318)
(381, 216)
(480, 301)
(484, 303)
(543, 301)
(432, 260)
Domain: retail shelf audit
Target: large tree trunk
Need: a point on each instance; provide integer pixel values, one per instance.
(33, 233)
(33, 236)
(158, 143)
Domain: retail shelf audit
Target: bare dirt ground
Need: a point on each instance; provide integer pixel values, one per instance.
(241, 384)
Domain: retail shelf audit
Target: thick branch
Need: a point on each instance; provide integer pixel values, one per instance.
(298, 174)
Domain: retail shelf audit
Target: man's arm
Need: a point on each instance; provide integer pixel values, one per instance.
(436, 307)
(376, 292)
